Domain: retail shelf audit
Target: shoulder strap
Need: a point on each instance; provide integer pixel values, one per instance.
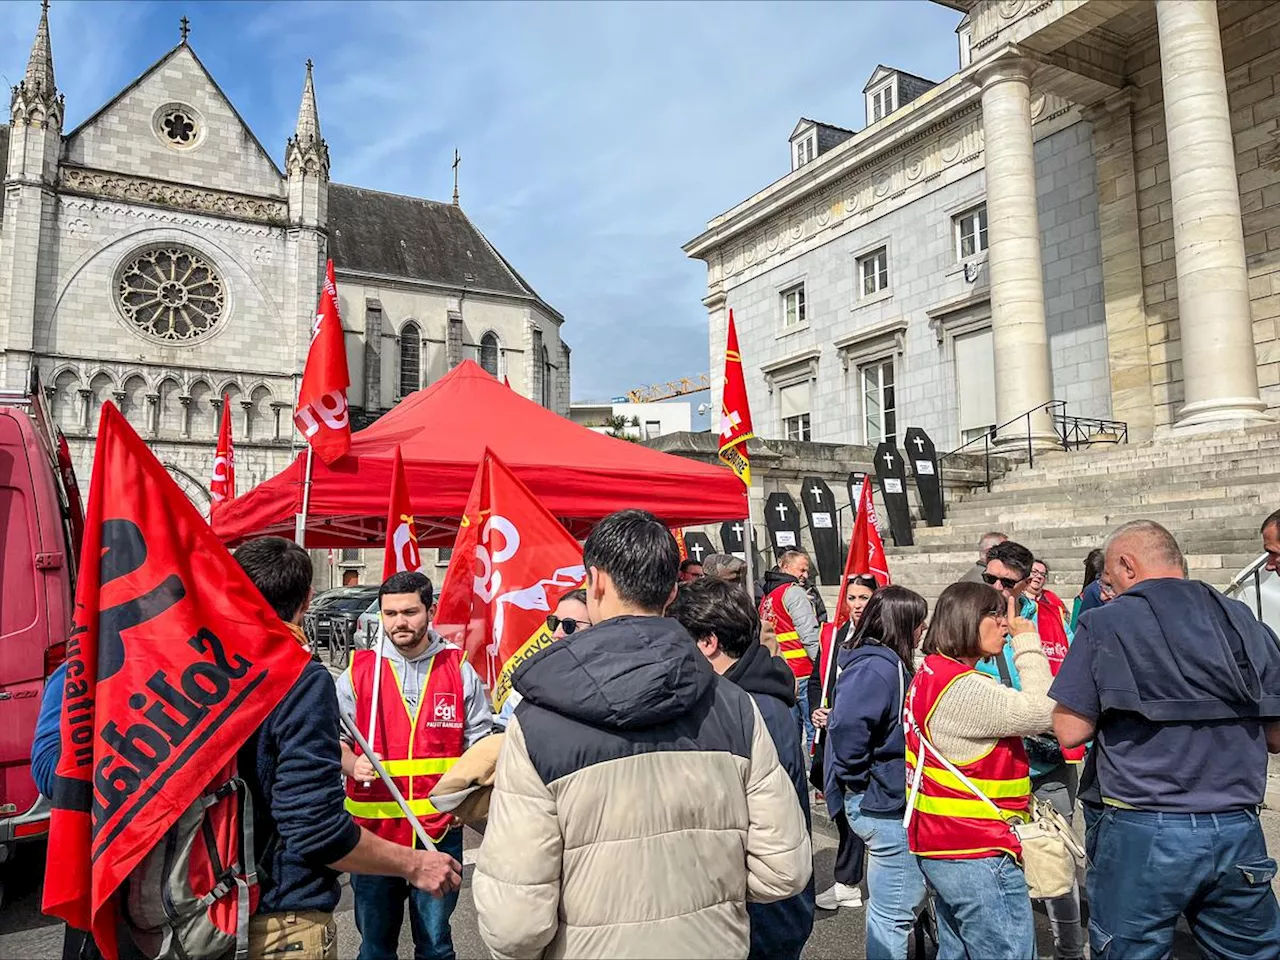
(927, 747)
(1002, 664)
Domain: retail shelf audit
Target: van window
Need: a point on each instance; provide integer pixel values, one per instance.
(18, 612)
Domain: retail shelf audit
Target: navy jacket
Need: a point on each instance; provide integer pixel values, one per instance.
(46, 746)
(778, 930)
(293, 767)
(866, 746)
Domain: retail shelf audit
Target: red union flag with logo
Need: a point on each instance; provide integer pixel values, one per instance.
(173, 661)
(512, 562)
(735, 415)
(222, 486)
(402, 539)
(866, 550)
(322, 415)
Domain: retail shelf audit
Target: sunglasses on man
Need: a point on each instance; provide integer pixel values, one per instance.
(570, 625)
(991, 580)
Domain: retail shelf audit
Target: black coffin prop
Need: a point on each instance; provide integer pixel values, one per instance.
(698, 545)
(782, 520)
(924, 464)
(820, 510)
(732, 535)
(891, 474)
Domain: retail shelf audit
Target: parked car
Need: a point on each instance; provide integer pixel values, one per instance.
(41, 521)
(346, 604)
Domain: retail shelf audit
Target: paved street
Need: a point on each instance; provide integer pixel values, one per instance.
(27, 935)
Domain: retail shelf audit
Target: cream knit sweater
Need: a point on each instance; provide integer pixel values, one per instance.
(978, 710)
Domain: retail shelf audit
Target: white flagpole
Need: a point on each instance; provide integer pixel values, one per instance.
(300, 522)
(377, 688)
(749, 547)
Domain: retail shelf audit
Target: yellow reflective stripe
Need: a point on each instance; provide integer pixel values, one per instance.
(419, 768)
(996, 789)
(788, 637)
(969, 809)
(388, 809)
(794, 654)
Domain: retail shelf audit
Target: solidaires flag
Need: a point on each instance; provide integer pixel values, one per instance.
(735, 414)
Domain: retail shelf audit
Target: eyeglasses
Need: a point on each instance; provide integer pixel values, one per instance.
(570, 625)
(1039, 574)
(991, 579)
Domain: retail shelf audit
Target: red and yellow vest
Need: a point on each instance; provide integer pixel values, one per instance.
(416, 750)
(948, 821)
(789, 646)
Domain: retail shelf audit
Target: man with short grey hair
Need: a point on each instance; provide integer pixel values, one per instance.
(1179, 688)
(985, 543)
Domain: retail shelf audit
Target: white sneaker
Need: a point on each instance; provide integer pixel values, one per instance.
(839, 895)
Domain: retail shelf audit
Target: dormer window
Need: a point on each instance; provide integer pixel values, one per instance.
(804, 150)
(883, 102)
(965, 36)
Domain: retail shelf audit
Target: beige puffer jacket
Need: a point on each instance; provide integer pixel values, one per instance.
(639, 805)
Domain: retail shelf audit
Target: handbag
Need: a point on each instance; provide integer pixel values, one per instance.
(1050, 852)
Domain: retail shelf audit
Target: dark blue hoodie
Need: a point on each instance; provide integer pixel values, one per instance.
(866, 748)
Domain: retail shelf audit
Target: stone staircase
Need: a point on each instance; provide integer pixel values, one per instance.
(1211, 490)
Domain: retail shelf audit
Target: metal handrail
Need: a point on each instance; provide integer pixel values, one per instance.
(1252, 572)
(986, 439)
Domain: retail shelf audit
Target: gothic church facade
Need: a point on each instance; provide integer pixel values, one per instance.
(157, 257)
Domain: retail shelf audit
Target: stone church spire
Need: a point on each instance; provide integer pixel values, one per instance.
(307, 152)
(35, 99)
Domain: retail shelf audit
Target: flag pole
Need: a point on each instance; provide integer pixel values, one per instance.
(749, 547)
(386, 779)
(300, 523)
(377, 688)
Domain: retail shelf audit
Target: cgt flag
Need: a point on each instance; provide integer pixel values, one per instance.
(322, 414)
(511, 563)
(866, 550)
(735, 414)
(222, 487)
(173, 661)
(402, 539)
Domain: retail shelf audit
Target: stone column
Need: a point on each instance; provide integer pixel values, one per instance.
(1219, 365)
(1023, 376)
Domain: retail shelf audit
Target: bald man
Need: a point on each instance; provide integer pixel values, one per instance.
(1179, 688)
(985, 543)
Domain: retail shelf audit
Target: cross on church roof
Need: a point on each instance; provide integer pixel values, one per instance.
(184, 25)
(457, 159)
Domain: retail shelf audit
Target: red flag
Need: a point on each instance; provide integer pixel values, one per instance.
(402, 539)
(174, 660)
(223, 485)
(866, 550)
(678, 533)
(507, 381)
(735, 412)
(511, 563)
(322, 414)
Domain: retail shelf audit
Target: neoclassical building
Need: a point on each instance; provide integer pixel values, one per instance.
(1088, 210)
(158, 257)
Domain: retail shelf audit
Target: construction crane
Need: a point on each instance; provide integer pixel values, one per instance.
(666, 391)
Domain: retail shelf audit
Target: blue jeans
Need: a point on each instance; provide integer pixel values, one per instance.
(1150, 867)
(894, 881)
(804, 716)
(984, 909)
(380, 913)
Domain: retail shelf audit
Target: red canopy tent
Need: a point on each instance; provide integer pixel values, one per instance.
(442, 431)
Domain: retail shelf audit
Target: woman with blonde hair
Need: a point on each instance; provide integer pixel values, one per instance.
(967, 851)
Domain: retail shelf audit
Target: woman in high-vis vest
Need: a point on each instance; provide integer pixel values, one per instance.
(851, 854)
(970, 855)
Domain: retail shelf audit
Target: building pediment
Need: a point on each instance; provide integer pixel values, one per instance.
(174, 121)
(881, 74)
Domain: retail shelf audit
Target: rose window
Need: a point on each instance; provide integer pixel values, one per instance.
(179, 127)
(171, 293)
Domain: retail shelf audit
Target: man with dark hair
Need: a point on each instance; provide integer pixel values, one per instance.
(1178, 687)
(985, 543)
(303, 836)
(1271, 541)
(720, 619)
(431, 707)
(1054, 773)
(690, 570)
(639, 801)
(786, 606)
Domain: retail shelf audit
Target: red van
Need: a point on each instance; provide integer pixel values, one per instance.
(41, 520)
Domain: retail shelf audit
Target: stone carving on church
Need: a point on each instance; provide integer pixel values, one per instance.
(171, 293)
(118, 186)
(178, 126)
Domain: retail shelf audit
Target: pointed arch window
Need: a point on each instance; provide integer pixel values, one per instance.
(410, 359)
(490, 350)
(547, 379)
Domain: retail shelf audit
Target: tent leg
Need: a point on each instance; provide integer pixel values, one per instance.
(300, 522)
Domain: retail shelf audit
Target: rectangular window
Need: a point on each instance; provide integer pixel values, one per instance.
(873, 269)
(793, 312)
(882, 103)
(879, 408)
(443, 556)
(793, 404)
(805, 150)
(971, 232)
(652, 429)
(966, 47)
(349, 555)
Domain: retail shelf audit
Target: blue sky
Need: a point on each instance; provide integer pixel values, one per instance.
(596, 138)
